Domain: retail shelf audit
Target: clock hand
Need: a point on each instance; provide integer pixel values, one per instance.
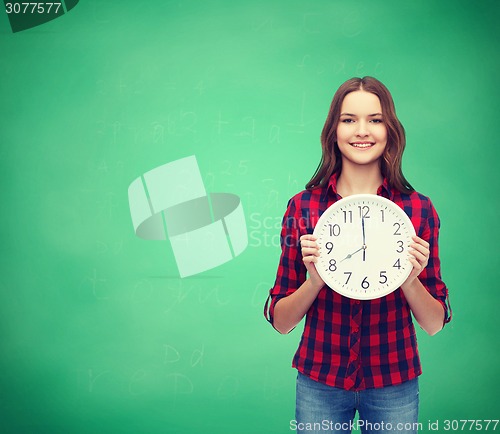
(363, 247)
(364, 242)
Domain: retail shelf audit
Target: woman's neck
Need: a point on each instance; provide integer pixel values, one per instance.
(359, 180)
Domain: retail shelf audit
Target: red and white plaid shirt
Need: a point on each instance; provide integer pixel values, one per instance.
(353, 344)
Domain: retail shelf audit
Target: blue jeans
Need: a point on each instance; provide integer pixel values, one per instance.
(325, 409)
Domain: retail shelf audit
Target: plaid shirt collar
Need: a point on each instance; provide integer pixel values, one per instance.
(384, 190)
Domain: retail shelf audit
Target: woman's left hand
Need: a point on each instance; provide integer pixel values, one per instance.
(419, 257)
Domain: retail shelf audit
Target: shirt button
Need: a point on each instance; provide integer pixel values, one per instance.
(358, 302)
(356, 330)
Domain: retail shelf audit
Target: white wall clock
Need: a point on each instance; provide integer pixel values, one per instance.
(364, 241)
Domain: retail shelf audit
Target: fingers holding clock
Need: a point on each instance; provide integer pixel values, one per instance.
(310, 253)
(419, 254)
(309, 248)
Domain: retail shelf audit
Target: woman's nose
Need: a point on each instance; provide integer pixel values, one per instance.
(362, 129)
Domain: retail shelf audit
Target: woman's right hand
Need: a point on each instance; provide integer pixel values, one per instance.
(310, 253)
(289, 310)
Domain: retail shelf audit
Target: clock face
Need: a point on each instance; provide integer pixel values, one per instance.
(364, 240)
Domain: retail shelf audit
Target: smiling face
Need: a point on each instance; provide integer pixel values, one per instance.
(361, 131)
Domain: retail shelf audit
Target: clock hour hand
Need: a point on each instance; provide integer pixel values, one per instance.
(349, 256)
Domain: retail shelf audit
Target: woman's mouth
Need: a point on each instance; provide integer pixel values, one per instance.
(362, 144)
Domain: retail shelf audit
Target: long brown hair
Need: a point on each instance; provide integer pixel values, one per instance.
(390, 163)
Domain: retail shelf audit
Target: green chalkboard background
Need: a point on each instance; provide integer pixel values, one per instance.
(98, 332)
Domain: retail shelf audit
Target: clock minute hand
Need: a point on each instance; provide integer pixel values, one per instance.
(364, 242)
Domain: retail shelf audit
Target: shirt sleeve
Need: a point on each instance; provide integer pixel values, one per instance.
(431, 275)
(291, 269)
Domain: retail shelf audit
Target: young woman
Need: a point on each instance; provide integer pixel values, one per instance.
(357, 355)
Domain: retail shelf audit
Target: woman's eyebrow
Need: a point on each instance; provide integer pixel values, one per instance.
(350, 114)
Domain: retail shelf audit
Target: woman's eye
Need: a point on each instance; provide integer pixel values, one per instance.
(347, 121)
(377, 121)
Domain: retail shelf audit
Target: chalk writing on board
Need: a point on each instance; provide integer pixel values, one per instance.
(102, 167)
(175, 380)
(96, 283)
(259, 293)
(272, 200)
(310, 22)
(200, 87)
(92, 378)
(250, 131)
(187, 121)
(179, 293)
(209, 181)
(205, 295)
(339, 67)
(293, 186)
(263, 23)
(172, 376)
(171, 354)
(352, 24)
(117, 126)
(220, 123)
(179, 384)
(231, 168)
(274, 134)
(251, 199)
(359, 68)
(103, 247)
(197, 357)
(265, 225)
(143, 289)
(121, 85)
(136, 379)
(302, 63)
(158, 133)
(299, 127)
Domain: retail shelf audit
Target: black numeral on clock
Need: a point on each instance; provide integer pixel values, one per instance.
(396, 232)
(364, 211)
(329, 246)
(397, 264)
(383, 277)
(400, 248)
(365, 284)
(333, 265)
(347, 213)
(334, 230)
(348, 277)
